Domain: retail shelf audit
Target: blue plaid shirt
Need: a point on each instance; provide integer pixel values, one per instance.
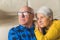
(21, 33)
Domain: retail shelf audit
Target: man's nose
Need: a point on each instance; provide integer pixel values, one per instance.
(23, 15)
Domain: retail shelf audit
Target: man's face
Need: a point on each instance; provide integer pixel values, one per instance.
(25, 16)
(42, 20)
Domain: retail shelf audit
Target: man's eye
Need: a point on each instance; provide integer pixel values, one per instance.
(25, 13)
(19, 13)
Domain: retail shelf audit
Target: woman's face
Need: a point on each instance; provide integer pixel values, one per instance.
(42, 20)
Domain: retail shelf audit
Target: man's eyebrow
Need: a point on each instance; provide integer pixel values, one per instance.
(25, 11)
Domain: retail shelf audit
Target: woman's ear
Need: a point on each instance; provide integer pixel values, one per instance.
(51, 18)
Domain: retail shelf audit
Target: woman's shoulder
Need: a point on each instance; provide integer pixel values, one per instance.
(56, 21)
(55, 25)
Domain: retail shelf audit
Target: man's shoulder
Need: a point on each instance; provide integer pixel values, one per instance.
(14, 28)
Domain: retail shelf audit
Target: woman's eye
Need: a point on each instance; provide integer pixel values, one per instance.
(43, 17)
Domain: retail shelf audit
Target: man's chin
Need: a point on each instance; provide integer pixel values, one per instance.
(23, 23)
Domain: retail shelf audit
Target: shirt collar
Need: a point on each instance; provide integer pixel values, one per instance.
(23, 27)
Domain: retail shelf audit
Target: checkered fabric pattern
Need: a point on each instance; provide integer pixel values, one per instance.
(21, 33)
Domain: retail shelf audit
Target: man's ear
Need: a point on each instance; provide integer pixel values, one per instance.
(32, 16)
(35, 15)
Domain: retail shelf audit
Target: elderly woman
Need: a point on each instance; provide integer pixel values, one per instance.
(47, 28)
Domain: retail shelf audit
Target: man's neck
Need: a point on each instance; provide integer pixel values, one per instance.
(28, 25)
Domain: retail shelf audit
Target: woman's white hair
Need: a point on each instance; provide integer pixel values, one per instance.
(45, 11)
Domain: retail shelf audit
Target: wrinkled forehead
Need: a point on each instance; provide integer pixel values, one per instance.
(23, 9)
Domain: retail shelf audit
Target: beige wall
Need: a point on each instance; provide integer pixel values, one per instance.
(8, 15)
(5, 25)
(12, 6)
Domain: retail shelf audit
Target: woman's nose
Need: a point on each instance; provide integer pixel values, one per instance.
(40, 20)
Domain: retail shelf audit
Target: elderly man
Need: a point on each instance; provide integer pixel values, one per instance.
(25, 31)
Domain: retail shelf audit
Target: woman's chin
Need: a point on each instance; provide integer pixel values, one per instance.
(41, 26)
